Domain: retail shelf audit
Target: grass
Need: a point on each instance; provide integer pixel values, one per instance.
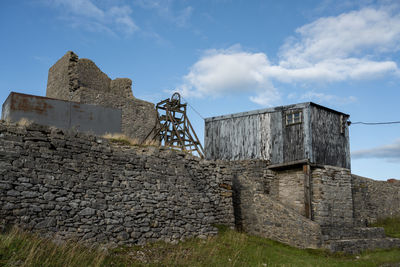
(391, 226)
(229, 248)
(124, 140)
(23, 122)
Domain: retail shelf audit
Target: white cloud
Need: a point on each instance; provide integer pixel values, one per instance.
(266, 97)
(351, 46)
(84, 13)
(390, 152)
(165, 8)
(327, 98)
(345, 47)
(80, 7)
(333, 70)
(375, 30)
(121, 16)
(221, 72)
(183, 16)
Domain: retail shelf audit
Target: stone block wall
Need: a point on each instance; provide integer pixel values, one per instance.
(332, 201)
(266, 217)
(291, 189)
(81, 186)
(137, 122)
(80, 80)
(259, 207)
(375, 199)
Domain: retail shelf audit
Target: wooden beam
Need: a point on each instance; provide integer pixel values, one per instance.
(307, 191)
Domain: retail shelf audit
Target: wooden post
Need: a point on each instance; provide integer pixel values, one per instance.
(307, 191)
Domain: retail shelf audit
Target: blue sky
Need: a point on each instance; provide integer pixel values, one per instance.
(226, 56)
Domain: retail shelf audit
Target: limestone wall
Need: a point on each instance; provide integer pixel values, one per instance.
(332, 201)
(266, 217)
(81, 186)
(291, 189)
(138, 117)
(375, 199)
(260, 209)
(80, 80)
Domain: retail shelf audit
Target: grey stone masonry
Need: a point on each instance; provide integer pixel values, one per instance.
(260, 209)
(82, 186)
(375, 199)
(291, 189)
(80, 80)
(75, 185)
(332, 200)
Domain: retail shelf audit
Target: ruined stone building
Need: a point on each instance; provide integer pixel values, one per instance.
(281, 173)
(80, 80)
(79, 95)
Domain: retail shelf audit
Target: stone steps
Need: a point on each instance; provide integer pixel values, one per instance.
(340, 233)
(355, 240)
(355, 246)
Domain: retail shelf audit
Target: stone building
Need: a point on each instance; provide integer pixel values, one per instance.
(80, 80)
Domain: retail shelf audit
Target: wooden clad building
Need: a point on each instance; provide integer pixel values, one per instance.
(305, 132)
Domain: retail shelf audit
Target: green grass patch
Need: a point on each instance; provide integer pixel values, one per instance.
(391, 226)
(229, 248)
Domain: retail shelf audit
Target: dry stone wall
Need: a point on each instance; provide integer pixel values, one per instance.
(375, 199)
(76, 185)
(81, 186)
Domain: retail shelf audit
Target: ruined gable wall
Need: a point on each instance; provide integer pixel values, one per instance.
(62, 82)
(375, 199)
(138, 117)
(91, 77)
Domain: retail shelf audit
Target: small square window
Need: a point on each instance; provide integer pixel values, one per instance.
(293, 118)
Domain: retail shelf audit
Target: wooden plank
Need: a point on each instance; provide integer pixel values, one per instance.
(307, 191)
(329, 145)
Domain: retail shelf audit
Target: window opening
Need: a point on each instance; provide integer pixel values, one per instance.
(293, 118)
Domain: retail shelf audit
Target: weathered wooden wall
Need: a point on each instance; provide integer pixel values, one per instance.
(263, 134)
(259, 134)
(238, 138)
(293, 138)
(329, 145)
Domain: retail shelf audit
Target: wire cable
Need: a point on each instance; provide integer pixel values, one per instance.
(358, 122)
(198, 113)
(375, 123)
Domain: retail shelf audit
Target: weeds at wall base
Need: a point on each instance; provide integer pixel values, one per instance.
(229, 248)
(391, 226)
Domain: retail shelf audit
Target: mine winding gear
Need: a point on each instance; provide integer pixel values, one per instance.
(173, 127)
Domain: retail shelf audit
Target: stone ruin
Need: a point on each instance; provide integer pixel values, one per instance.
(70, 184)
(79, 79)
